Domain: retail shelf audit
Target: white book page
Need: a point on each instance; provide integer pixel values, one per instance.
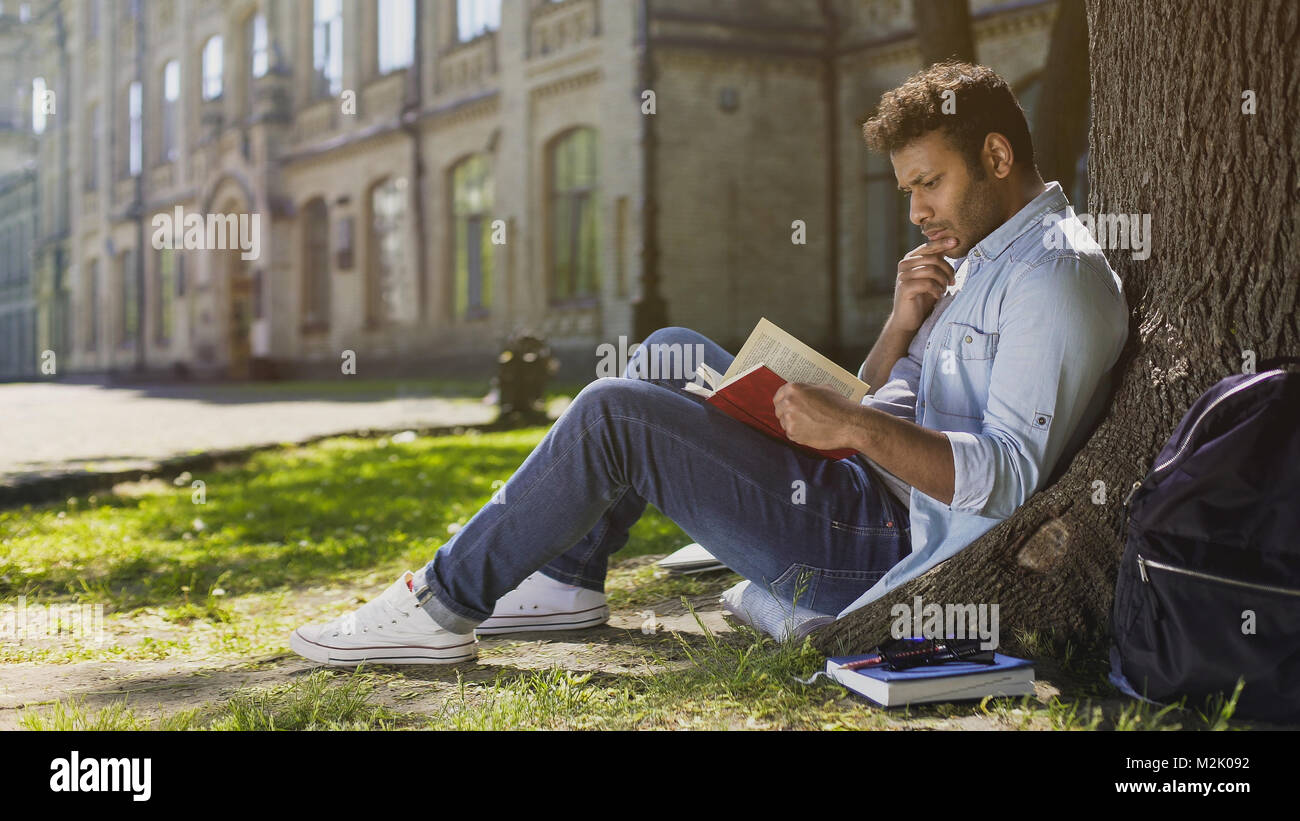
(793, 361)
(714, 380)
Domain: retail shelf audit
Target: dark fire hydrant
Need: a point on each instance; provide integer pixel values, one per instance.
(523, 369)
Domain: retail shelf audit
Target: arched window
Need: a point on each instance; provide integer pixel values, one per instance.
(165, 294)
(574, 216)
(129, 310)
(93, 139)
(392, 296)
(471, 233)
(212, 67)
(92, 305)
(316, 266)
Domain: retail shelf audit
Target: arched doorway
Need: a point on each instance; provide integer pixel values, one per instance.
(239, 309)
(233, 297)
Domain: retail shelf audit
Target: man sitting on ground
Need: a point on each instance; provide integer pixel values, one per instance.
(991, 368)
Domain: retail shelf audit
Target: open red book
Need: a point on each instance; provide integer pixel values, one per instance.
(746, 394)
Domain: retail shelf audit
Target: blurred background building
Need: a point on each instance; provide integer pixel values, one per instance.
(431, 176)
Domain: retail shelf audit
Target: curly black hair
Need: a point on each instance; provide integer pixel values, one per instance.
(982, 102)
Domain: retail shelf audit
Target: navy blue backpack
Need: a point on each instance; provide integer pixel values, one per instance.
(1209, 585)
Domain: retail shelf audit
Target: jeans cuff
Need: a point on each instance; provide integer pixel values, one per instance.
(441, 609)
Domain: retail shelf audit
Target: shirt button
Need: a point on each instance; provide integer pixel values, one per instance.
(969, 340)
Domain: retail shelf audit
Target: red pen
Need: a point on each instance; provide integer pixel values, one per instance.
(860, 663)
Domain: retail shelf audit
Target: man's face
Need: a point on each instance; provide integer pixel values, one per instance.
(947, 201)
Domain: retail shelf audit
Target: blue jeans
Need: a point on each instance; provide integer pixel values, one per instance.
(774, 515)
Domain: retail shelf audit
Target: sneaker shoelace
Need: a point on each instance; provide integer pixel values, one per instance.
(380, 611)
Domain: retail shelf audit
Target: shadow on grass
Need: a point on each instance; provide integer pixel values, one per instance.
(291, 517)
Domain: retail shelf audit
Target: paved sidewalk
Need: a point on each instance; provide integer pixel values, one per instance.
(53, 428)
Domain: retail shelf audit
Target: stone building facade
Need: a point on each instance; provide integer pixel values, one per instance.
(427, 177)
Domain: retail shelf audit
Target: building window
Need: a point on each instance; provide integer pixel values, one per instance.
(257, 63)
(474, 17)
(472, 236)
(92, 305)
(134, 145)
(90, 165)
(396, 34)
(259, 50)
(392, 293)
(574, 219)
(888, 233)
(327, 47)
(92, 19)
(212, 67)
(38, 105)
(129, 311)
(170, 107)
(166, 295)
(316, 266)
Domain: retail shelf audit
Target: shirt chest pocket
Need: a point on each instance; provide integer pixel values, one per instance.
(962, 370)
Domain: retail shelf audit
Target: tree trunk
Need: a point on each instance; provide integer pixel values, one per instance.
(943, 30)
(1168, 138)
(1061, 116)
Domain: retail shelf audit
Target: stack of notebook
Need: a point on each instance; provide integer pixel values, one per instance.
(952, 681)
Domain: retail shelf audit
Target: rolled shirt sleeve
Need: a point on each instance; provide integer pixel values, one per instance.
(1060, 331)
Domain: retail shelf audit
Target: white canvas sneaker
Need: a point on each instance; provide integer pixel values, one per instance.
(390, 629)
(543, 603)
(755, 607)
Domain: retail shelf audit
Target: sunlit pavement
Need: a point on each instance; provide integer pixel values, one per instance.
(48, 427)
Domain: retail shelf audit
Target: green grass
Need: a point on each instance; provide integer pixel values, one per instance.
(352, 387)
(279, 536)
(341, 512)
(732, 681)
(320, 701)
(220, 578)
(286, 518)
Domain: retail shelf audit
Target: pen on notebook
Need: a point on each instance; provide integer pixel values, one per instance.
(860, 663)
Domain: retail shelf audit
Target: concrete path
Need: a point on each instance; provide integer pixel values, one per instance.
(56, 427)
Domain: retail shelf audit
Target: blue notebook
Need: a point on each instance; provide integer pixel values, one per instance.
(957, 681)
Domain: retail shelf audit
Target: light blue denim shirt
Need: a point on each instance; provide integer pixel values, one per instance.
(1013, 366)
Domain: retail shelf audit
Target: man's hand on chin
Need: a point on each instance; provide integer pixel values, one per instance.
(815, 416)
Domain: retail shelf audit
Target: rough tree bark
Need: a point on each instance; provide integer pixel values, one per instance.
(1168, 138)
(1061, 116)
(943, 30)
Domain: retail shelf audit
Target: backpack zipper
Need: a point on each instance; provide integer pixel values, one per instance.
(1192, 430)
(1143, 563)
